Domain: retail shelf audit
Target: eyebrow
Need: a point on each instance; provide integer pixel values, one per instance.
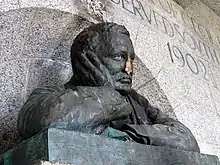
(121, 52)
(132, 55)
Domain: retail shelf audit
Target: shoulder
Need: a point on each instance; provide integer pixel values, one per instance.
(47, 89)
(42, 94)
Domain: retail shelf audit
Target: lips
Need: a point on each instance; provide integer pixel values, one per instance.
(125, 80)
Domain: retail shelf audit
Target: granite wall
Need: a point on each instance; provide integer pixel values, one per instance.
(178, 50)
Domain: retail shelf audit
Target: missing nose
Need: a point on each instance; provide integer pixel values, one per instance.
(128, 65)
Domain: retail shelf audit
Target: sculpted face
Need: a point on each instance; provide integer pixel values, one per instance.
(103, 54)
(119, 62)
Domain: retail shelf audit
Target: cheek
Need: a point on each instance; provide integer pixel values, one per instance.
(115, 67)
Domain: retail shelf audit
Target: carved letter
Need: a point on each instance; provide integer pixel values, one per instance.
(168, 27)
(192, 43)
(127, 5)
(177, 27)
(116, 1)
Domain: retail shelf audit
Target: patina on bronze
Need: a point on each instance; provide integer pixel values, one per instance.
(99, 99)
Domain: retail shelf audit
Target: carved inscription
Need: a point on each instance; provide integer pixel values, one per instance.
(202, 43)
(195, 65)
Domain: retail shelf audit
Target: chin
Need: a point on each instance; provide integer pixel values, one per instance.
(124, 89)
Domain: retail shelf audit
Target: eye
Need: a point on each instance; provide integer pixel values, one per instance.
(118, 57)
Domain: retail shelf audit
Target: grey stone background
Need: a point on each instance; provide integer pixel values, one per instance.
(34, 49)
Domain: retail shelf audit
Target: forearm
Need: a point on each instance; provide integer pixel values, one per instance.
(163, 135)
(96, 107)
(171, 131)
(82, 109)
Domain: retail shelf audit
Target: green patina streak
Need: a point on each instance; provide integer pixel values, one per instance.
(116, 134)
(8, 157)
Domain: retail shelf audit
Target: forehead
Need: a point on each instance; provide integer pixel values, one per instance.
(122, 42)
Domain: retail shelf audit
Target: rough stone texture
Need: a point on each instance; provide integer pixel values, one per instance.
(7, 5)
(47, 71)
(12, 80)
(81, 149)
(212, 4)
(44, 31)
(9, 137)
(13, 37)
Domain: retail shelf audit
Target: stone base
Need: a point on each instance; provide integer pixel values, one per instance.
(56, 145)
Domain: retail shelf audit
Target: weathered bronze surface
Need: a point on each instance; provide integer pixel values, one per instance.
(99, 99)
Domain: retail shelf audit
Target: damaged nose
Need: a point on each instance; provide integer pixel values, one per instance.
(128, 66)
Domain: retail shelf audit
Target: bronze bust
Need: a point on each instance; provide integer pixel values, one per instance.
(99, 99)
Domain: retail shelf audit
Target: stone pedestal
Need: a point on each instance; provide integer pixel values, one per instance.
(56, 145)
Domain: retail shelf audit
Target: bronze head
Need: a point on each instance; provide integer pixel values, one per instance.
(103, 54)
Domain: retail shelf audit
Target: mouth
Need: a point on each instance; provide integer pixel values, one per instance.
(125, 80)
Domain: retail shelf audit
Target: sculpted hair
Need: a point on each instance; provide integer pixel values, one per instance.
(96, 38)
